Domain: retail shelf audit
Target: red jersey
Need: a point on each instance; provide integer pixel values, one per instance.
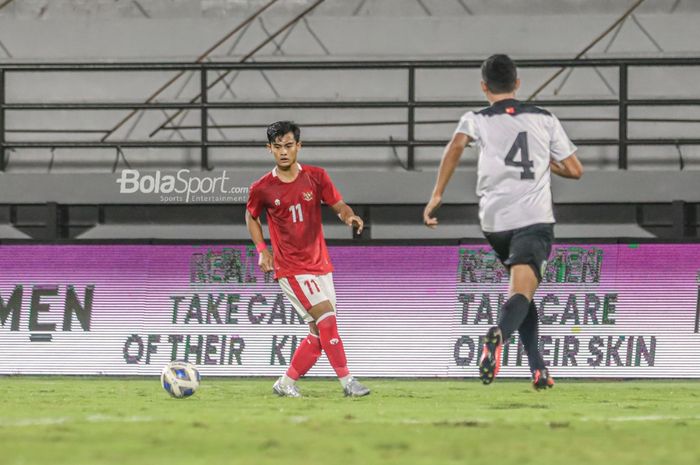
(294, 219)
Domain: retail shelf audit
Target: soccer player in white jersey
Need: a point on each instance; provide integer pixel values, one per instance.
(520, 145)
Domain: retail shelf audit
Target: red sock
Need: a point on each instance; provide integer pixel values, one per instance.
(332, 345)
(304, 357)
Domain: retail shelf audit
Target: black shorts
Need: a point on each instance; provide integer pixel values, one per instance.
(529, 245)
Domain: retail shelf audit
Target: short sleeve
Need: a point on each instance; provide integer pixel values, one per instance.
(329, 194)
(255, 201)
(467, 125)
(560, 145)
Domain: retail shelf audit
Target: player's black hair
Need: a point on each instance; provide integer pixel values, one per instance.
(280, 128)
(499, 73)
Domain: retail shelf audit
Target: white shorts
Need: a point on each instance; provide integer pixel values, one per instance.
(306, 290)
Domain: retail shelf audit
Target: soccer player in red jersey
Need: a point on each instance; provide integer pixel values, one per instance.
(291, 195)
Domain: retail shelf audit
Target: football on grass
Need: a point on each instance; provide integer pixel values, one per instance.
(180, 379)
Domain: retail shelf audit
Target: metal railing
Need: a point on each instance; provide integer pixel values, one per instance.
(204, 104)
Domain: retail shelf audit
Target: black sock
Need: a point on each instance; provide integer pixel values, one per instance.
(513, 315)
(530, 337)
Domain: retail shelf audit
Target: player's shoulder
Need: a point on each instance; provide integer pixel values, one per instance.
(263, 181)
(512, 108)
(315, 172)
(534, 109)
(469, 115)
(312, 169)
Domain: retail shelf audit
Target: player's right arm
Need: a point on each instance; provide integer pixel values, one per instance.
(254, 209)
(448, 164)
(256, 234)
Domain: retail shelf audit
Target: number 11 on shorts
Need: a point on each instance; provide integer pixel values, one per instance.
(308, 284)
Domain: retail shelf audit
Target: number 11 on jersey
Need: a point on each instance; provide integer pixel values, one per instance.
(297, 215)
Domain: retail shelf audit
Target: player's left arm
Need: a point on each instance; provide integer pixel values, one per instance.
(570, 167)
(563, 160)
(331, 196)
(348, 216)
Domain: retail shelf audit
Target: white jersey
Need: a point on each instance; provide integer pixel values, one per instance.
(516, 142)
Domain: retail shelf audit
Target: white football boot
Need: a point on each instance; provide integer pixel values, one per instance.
(285, 390)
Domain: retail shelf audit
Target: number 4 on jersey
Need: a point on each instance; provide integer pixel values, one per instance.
(525, 163)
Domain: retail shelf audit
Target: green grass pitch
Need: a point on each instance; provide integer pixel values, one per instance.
(73, 421)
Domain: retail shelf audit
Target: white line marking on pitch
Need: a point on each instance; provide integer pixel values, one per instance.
(108, 418)
(644, 418)
(484, 422)
(34, 421)
(48, 421)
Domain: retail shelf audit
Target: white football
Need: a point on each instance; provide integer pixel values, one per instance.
(180, 379)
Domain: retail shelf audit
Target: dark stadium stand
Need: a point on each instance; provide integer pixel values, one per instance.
(68, 125)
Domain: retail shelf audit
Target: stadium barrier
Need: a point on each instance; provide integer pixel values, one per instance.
(404, 77)
(606, 310)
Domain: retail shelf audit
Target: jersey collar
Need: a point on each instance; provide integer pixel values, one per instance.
(274, 170)
(506, 102)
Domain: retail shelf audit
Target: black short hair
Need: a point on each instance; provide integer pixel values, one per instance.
(280, 128)
(499, 73)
